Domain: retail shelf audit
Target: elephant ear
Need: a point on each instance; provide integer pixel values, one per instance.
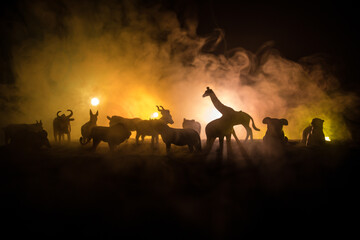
(266, 120)
(284, 122)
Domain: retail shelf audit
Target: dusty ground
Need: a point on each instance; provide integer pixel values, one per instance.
(68, 191)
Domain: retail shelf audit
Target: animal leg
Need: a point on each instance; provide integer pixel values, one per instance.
(111, 146)
(153, 140)
(68, 137)
(248, 133)
(95, 144)
(209, 144)
(137, 137)
(228, 146)
(221, 145)
(168, 147)
(191, 147)
(198, 146)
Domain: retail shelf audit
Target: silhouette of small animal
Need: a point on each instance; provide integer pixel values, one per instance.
(61, 126)
(179, 137)
(28, 139)
(274, 133)
(192, 124)
(12, 130)
(86, 128)
(146, 127)
(313, 135)
(130, 123)
(113, 135)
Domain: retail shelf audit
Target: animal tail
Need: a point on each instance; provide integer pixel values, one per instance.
(83, 141)
(253, 124)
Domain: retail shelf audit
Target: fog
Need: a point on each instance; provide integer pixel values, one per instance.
(133, 58)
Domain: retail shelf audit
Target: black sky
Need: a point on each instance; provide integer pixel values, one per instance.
(297, 28)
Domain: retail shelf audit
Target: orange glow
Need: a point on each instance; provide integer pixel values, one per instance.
(155, 115)
(95, 101)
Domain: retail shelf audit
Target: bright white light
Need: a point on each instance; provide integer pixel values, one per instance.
(155, 115)
(213, 114)
(327, 139)
(95, 101)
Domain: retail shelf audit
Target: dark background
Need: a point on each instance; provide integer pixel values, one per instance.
(297, 29)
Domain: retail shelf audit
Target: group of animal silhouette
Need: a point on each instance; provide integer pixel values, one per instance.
(119, 130)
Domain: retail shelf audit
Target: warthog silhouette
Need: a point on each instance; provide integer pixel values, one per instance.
(12, 130)
(129, 123)
(179, 137)
(192, 124)
(61, 126)
(146, 127)
(27, 139)
(113, 135)
(313, 135)
(86, 128)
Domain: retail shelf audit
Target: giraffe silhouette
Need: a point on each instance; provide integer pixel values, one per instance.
(223, 126)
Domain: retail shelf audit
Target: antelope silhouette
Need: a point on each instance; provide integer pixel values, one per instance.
(86, 128)
(192, 124)
(146, 127)
(223, 126)
(179, 137)
(113, 135)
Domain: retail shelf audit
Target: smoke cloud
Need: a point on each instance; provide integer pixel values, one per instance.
(133, 58)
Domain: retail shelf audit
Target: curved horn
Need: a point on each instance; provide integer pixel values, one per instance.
(57, 114)
(71, 113)
(158, 107)
(162, 108)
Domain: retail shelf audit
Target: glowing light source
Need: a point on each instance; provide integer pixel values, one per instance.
(327, 139)
(213, 114)
(155, 115)
(95, 101)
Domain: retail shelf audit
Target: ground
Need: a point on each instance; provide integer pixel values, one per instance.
(68, 191)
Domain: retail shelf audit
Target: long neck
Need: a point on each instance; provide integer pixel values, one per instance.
(218, 105)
